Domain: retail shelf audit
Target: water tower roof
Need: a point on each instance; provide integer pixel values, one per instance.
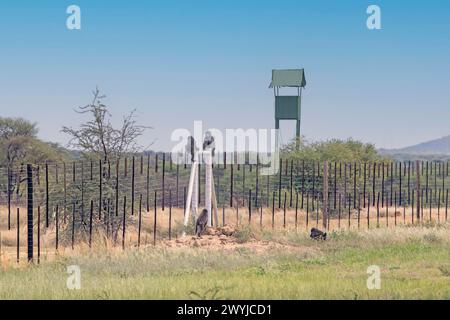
(288, 78)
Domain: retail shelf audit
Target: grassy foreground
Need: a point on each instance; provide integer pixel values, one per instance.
(414, 263)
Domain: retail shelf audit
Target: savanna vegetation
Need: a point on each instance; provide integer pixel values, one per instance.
(334, 150)
(19, 144)
(261, 263)
(413, 261)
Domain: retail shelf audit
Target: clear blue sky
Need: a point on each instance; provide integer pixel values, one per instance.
(177, 61)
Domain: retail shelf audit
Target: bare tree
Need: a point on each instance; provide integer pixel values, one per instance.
(98, 139)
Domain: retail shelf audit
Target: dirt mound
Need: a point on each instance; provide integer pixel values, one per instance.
(220, 236)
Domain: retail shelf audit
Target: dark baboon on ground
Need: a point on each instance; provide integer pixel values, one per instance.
(200, 224)
(316, 234)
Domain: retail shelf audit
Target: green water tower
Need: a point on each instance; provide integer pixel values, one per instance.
(288, 107)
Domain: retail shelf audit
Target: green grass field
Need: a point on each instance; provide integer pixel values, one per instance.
(414, 263)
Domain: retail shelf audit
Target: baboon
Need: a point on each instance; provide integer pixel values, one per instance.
(316, 234)
(208, 143)
(200, 224)
(191, 148)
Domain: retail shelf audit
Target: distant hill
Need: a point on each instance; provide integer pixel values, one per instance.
(438, 149)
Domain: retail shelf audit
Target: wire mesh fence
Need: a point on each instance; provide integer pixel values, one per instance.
(144, 196)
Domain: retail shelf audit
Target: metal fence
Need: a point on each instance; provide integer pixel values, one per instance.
(68, 196)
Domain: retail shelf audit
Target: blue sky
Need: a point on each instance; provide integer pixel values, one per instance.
(177, 61)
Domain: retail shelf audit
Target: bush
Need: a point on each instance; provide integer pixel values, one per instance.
(333, 150)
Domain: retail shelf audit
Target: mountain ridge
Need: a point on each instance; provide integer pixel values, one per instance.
(436, 146)
(434, 150)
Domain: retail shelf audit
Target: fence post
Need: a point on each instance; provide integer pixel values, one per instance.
(307, 209)
(46, 195)
(409, 182)
(39, 235)
(140, 220)
(368, 207)
(9, 198)
(164, 183)
(82, 192)
(325, 194)
(382, 184)
(117, 188)
(279, 183)
(392, 182)
(359, 208)
(231, 186)
(177, 184)
(339, 210)
(273, 210)
(73, 225)
(243, 183)
(364, 184)
(303, 182)
(257, 181)
(284, 211)
(296, 210)
(291, 184)
(154, 220)
(57, 228)
(400, 185)
(224, 160)
(184, 199)
(100, 189)
(90, 223)
(170, 214)
(446, 205)
(30, 212)
(18, 234)
(335, 186)
(418, 190)
(133, 174)
(249, 206)
(65, 191)
(124, 221)
(354, 186)
(148, 183)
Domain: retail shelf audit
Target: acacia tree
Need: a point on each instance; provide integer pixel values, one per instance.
(98, 139)
(15, 137)
(20, 145)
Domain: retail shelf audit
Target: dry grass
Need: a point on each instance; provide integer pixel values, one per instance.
(258, 264)
(388, 218)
